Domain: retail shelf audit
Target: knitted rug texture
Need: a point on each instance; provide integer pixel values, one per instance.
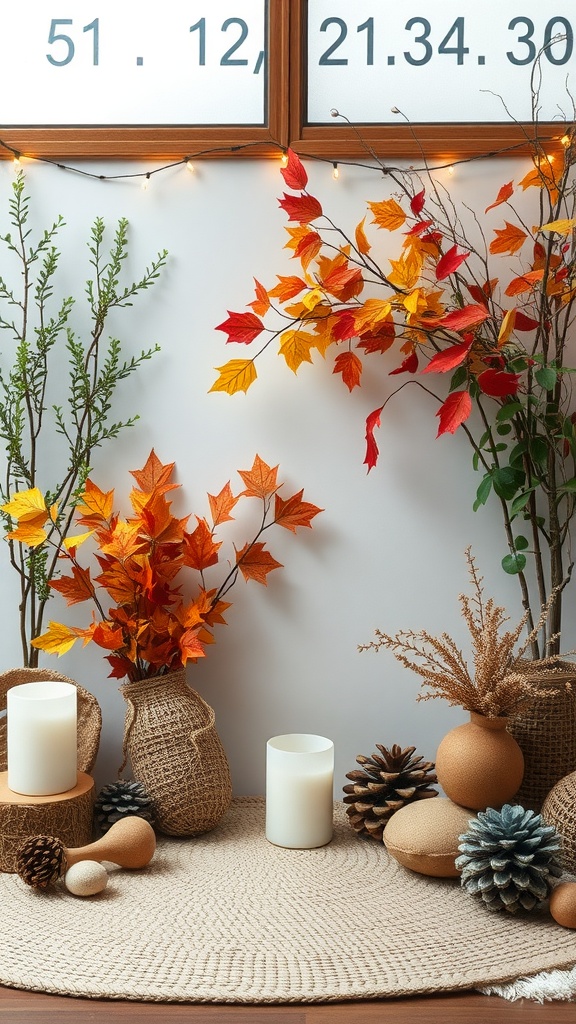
(228, 918)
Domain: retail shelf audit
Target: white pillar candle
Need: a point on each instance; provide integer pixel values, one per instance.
(41, 738)
(299, 791)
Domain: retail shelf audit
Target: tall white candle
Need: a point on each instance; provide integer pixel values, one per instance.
(299, 790)
(41, 738)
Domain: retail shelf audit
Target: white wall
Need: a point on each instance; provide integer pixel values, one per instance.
(389, 549)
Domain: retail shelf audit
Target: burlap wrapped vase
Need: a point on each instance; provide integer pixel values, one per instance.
(176, 753)
(546, 732)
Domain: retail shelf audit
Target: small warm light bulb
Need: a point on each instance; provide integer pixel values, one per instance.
(335, 171)
(17, 165)
(284, 159)
(190, 166)
(565, 140)
(450, 169)
(146, 183)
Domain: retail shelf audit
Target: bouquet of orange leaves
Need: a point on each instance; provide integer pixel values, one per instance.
(154, 625)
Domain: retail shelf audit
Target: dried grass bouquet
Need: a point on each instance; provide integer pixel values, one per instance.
(498, 686)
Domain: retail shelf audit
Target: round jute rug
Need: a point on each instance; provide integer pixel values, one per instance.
(227, 917)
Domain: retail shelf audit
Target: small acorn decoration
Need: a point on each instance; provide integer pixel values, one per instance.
(507, 858)
(120, 800)
(388, 781)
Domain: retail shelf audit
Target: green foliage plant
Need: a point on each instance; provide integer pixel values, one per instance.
(40, 436)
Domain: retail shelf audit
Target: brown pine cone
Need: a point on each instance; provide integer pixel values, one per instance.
(387, 782)
(40, 861)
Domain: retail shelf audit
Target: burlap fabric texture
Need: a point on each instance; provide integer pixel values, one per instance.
(176, 753)
(89, 713)
(546, 733)
(227, 917)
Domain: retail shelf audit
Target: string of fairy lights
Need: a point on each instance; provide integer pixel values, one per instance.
(189, 161)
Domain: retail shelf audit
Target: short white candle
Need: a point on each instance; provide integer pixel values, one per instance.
(41, 738)
(299, 790)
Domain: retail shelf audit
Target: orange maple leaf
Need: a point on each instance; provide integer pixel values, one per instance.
(201, 550)
(362, 243)
(350, 366)
(75, 588)
(95, 506)
(294, 512)
(154, 475)
(524, 283)
(255, 562)
(503, 195)
(287, 288)
(308, 248)
(508, 239)
(261, 303)
(221, 505)
(303, 209)
(388, 214)
(260, 480)
(295, 347)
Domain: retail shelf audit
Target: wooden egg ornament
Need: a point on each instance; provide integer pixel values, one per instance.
(562, 904)
(86, 878)
(130, 843)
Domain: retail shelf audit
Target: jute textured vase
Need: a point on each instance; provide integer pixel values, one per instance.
(176, 753)
(546, 732)
(479, 764)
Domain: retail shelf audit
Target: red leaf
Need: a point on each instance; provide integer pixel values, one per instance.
(417, 202)
(302, 209)
(460, 319)
(523, 322)
(350, 366)
(449, 358)
(505, 192)
(242, 327)
(498, 383)
(450, 262)
(453, 412)
(372, 421)
(419, 227)
(294, 173)
(345, 326)
(410, 365)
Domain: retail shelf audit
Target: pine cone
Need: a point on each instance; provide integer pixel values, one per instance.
(120, 800)
(507, 858)
(40, 861)
(386, 783)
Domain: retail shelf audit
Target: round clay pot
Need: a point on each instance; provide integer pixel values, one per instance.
(479, 764)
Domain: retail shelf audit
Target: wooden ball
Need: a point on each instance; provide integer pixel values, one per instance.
(563, 904)
(424, 836)
(86, 878)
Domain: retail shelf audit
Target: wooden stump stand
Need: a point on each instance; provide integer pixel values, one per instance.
(65, 815)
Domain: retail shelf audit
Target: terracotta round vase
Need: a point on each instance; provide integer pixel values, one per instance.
(479, 764)
(176, 753)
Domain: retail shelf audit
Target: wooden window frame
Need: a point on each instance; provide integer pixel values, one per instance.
(286, 126)
(174, 143)
(442, 141)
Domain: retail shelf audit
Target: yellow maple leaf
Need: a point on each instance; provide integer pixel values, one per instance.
(506, 327)
(312, 298)
(371, 313)
(75, 542)
(388, 214)
(58, 639)
(295, 347)
(406, 271)
(235, 375)
(29, 510)
(563, 226)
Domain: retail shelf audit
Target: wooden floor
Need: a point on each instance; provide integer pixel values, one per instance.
(18, 1007)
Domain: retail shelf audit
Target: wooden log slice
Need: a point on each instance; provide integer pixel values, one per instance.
(68, 816)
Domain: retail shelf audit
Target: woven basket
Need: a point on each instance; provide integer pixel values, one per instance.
(559, 810)
(88, 711)
(546, 732)
(176, 753)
